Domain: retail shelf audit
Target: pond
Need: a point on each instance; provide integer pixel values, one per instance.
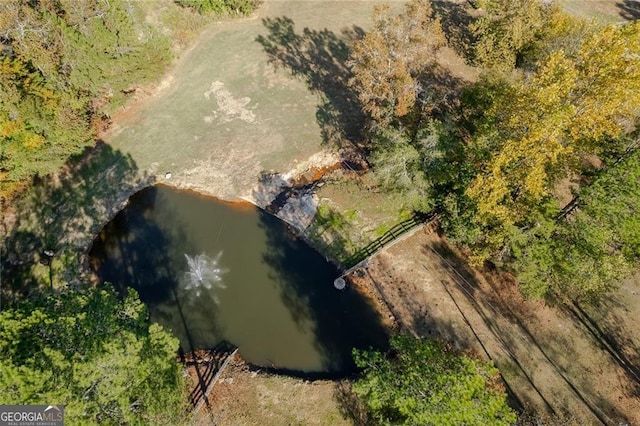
(211, 271)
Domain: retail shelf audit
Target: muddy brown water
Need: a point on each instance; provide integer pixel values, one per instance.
(212, 271)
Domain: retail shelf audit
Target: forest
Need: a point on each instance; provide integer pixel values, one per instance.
(533, 168)
(65, 66)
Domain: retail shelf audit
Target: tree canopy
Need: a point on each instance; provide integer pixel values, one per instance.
(241, 7)
(94, 353)
(557, 102)
(393, 63)
(508, 30)
(578, 102)
(596, 244)
(64, 67)
(572, 104)
(424, 382)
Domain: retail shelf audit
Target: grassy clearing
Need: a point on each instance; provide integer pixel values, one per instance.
(229, 112)
(353, 211)
(232, 110)
(606, 10)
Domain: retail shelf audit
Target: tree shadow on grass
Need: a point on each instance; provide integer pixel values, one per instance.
(52, 224)
(331, 230)
(320, 59)
(611, 335)
(350, 406)
(416, 318)
(456, 18)
(629, 9)
(413, 318)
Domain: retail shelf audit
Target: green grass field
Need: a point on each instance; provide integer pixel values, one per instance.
(226, 113)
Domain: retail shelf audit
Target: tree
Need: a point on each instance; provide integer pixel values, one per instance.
(94, 353)
(425, 382)
(401, 86)
(391, 64)
(534, 133)
(219, 7)
(409, 167)
(63, 66)
(509, 29)
(595, 247)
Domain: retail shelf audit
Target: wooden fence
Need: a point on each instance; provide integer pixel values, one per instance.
(392, 234)
(218, 358)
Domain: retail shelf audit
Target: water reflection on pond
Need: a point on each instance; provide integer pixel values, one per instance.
(213, 271)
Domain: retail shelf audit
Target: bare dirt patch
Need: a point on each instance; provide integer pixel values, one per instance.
(549, 360)
(245, 396)
(229, 107)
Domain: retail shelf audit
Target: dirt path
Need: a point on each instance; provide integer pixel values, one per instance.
(551, 363)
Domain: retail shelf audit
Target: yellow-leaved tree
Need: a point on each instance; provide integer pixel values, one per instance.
(508, 29)
(572, 104)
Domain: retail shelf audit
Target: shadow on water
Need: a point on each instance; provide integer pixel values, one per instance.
(276, 301)
(320, 59)
(50, 225)
(135, 251)
(343, 320)
(131, 251)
